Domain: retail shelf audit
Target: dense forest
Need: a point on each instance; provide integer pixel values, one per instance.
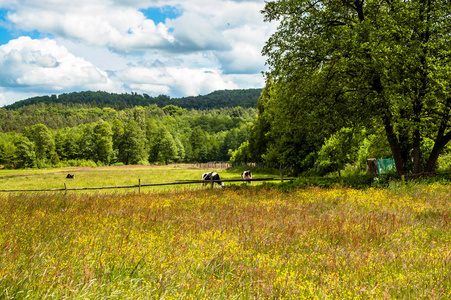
(91, 133)
(51, 134)
(216, 100)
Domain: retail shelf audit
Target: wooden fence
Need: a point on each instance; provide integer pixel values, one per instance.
(220, 165)
(140, 185)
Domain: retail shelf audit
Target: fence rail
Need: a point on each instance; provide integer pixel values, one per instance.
(219, 165)
(139, 185)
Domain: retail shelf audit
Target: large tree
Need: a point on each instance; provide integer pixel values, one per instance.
(134, 144)
(103, 138)
(383, 62)
(43, 140)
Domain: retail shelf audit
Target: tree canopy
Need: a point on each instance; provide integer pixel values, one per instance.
(377, 63)
(46, 135)
(219, 99)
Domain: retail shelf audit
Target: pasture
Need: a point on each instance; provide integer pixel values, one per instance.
(231, 243)
(108, 176)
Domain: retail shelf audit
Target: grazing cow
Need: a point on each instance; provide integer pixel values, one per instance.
(247, 175)
(70, 176)
(207, 177)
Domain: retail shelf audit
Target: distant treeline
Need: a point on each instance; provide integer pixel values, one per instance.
(99, 128)
(58, 135)
(219, 99)
(56, 116)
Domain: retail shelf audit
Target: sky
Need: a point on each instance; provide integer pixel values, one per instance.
(173, 47)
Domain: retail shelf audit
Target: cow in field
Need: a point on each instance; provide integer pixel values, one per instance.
(207, 177)
(246, 175)
(70, 176)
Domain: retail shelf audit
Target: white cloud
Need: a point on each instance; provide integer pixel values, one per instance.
(245, 56)
(122, 29)
(203, 23)
(176, 81)
(246, 81)
(110, 45)
(100, 56)
(42, 64)
(3, 100)
(191, 82)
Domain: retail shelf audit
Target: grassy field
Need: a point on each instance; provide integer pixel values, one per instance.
(231, 243)
(108, 176)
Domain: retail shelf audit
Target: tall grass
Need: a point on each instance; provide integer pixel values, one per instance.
(228, 244)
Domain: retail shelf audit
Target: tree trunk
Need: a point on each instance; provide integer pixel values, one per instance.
(433, 157)
(425, 15)
(417, 152)
(394, 146)
(440, 143)
(441, 140)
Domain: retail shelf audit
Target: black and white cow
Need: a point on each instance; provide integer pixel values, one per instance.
(207, 177)
(246, 175)
(70, 176)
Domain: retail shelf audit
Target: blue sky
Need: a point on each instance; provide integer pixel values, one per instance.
(172, 47)
(160, 14)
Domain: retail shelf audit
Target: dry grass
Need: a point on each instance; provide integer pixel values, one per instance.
(230, 243)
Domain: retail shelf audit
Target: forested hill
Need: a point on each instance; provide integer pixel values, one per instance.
(218, 99)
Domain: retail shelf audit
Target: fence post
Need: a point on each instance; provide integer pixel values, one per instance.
(212, 181)
(281, 177)
(139, 189)
(65, 189)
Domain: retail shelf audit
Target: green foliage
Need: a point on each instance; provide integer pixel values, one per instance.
(77, 163)
(135, 135)
(444, 163)
(25, 156)
(227, 98)
(43, 141)
(103, 137)
(173, 110)
(286, 132)
(340, 149)
(199, 143)
(134, 144)
(375, 145)
(86, 142)
(380, 64)
(7, 150)
(241, 155)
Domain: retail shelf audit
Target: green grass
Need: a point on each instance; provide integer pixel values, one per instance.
(232, 243)
(110, 176)
(14, 172)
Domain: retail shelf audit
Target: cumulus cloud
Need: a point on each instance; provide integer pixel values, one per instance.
(245, 56)
(116, 46)
(43, 64)
(203, 23)
(123, 30)
(176, 81)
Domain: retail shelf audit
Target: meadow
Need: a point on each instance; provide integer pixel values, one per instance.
(108, 176)
(237, 242)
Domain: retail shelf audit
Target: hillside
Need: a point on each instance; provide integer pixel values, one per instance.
(215, 100)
